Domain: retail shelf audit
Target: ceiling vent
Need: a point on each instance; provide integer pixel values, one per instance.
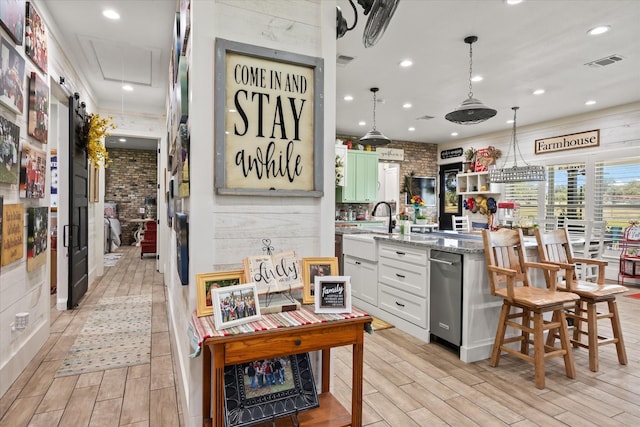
(605, 61)
(343, 60)
(425, 117)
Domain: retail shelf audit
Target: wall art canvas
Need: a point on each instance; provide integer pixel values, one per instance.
(33, 171)
(12, 233)
(37, 237)
(260, 391)
(11, 78)
(182, 154)
(12, 18)
(35, 34)
(9, 153)
(38, 125)
(54, 180)
(182, 242)
(272, 144)
(235, 305)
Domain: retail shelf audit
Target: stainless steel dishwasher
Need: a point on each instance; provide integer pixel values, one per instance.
(445, 311)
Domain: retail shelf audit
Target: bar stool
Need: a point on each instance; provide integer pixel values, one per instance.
(461, 223)
(508, 277)
(555, 247)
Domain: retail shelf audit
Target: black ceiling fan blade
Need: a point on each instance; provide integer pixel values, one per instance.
(381, 13)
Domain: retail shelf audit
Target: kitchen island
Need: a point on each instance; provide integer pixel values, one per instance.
(391, 277)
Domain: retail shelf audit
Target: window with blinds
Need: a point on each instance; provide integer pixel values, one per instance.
(617, 196)
(565, 192)
(526, 195)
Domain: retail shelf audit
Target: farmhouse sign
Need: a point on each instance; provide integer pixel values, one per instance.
(268, 121)
(568, 142)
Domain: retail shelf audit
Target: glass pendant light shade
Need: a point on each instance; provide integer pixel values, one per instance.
(472, 111)
(374, 137)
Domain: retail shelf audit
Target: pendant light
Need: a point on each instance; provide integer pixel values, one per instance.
(374, 137)
(472, 110)
(516, 173)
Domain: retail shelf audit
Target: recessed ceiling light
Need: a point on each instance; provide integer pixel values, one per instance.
(512, 2)
(590, 102)
(454, 133)
(362, 123)
(406, 63)
(476, 78)
(122, 140)
(510, 121)
(411, 129)
(407, 105)
(128, 88)
(348, 98)
(111, 14)
(601, 29)
(538, 91)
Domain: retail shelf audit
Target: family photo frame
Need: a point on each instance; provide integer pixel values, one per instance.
(312, 268)
(207, 282)
(235, 305)
(332, 294)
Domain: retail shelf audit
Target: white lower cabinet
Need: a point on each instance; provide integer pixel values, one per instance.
(403, 288)
(364, 278)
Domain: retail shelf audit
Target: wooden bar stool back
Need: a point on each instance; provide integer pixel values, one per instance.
(555, 247)
(524, 305)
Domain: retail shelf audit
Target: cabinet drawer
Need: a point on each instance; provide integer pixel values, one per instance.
(403, 305)
(403, 253)
(404, 276)
(360, 247)
(364, 279)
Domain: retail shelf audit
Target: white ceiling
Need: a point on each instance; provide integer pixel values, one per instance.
(537, 44)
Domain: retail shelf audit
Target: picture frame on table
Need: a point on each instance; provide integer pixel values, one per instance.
(235, 305)
(292, 390)
(312, 267)
(332, 294)
(207, 282)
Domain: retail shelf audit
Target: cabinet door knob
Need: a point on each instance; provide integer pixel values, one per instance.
(298, 342)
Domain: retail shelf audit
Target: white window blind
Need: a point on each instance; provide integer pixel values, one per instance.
(617, 196)
(565, 192)
(526, 195)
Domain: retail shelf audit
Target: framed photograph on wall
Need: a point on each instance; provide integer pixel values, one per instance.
(35, 32)
(207, 282)
(181, 225)
(9, 149)
(33, 171)
(38, 124)
(251, 397)
(235, 305)
(12, 18)
(286, 160)
(37, 237)
(333, 294)
(312, 268)
(12, 82)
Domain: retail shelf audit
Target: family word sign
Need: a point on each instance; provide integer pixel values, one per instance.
(568, 142)
(12, 233)
(268, 121)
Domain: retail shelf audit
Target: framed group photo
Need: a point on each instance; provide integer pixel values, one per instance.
(235, 305)
(207, 282)
(316, 267)
(333, 294)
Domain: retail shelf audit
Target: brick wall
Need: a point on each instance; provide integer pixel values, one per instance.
(419, 157)
(130, 177)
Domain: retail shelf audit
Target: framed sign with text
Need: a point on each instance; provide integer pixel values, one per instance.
(268, 121)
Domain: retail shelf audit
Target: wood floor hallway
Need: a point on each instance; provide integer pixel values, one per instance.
(407, 382)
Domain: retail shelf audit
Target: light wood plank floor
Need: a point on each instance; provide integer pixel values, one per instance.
(407, 382)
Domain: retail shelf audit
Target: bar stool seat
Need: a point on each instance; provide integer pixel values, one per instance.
(524, 306)
(554, 247)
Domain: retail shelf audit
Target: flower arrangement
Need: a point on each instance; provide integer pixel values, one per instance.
(94, 130)
(417, 201)
(339, 171)
(469, 154)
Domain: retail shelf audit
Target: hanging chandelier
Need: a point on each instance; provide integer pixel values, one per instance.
(516, 173)
(374, 137)
(472, 111)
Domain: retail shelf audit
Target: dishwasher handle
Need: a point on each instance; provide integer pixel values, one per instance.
(442, 261)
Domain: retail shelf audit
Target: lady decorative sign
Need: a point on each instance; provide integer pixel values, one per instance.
(268, 121)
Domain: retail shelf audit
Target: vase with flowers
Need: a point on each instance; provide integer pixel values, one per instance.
(418, 203)
(92, 135)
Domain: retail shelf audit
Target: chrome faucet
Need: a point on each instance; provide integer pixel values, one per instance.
(392, 222)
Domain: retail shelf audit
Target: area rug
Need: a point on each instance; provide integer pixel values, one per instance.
(379, 324)
(633, 296)
(116, 334)
(111, 259)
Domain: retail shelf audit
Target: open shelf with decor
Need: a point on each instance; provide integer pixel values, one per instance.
(475, 183)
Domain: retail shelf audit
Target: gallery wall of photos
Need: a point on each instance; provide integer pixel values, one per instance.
(24, 127)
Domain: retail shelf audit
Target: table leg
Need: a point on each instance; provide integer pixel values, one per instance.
(356, 387)
(206, 386)
(218, 386)
(326, 370)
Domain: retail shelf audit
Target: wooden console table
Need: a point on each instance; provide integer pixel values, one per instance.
(218, 351)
